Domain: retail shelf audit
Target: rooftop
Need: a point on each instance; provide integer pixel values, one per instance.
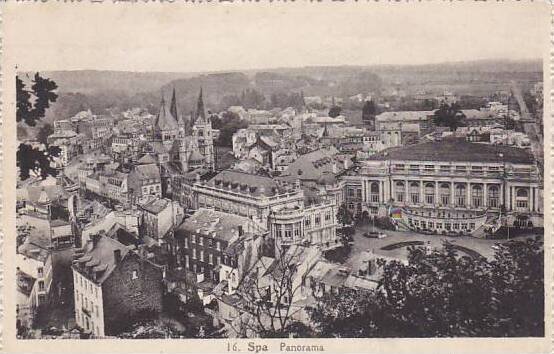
(100, 256)
(217, 224)
(247, 183)
(455, 149)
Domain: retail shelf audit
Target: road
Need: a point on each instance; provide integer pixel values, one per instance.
(530, 127)
(362, 244)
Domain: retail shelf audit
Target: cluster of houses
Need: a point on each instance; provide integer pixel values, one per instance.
(144, 213)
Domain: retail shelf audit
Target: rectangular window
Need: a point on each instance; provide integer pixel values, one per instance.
(41, 285)
(431, 224)
(211, 258)
(194, 253)
(40, 272)
(201, 240)
(317, 220)
(193, 239)
(439, 225)
(456, 226)
(218, 246)
(134, 275)
(202, 255)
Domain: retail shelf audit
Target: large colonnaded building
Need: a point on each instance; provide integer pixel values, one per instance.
(449, 186)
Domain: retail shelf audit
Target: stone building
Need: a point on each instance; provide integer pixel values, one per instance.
(113, 287)
(444, 184)
(247, 195)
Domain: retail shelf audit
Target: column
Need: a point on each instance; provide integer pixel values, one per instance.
(532, 199)
(512, 198)
(485, 195)
(437, 193)
(392, 191)
(406, 192)
(421, 196)
(468, 193)
(452, 187)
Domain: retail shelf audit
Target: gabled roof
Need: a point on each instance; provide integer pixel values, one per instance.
(101, 256)
(165, 120)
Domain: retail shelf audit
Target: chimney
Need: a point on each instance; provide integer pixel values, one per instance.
(117, 256)
(241, 231)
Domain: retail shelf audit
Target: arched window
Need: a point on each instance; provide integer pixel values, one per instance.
(522, 193)
(522, 199)
(445, 193)
(477, 196)
(414, 193)
(460, 195)
(494, 197)
(374, 192)
(429, 193)
(400, 190)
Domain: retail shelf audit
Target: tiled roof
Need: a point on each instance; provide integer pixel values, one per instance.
(246, 183)
(313, 165)
(101, 256)
(456, 149)
(217, 224)
(154, 205)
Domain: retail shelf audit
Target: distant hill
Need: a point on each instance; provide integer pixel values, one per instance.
(100, 90)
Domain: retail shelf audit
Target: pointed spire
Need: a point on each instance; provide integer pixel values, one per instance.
(173, 106)
(200, 112)
(164, 120)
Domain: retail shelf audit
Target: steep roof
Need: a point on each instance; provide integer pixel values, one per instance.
(313, 165)
(165, 120)
(456, 149)
(149, 171)
(101, 256)
(246, 182)
(217, 224)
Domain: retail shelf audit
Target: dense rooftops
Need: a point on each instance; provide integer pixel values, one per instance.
(456, 150)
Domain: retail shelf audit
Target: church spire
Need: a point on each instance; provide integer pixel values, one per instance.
(200, 112)
(173, 106)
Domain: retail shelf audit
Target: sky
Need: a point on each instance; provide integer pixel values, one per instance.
(213, 37)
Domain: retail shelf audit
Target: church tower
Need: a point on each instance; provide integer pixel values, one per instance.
(165, 126)
(203, 134)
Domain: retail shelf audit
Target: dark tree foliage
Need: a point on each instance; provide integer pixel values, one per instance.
(228, 125)
(369, 110)
(334, 111)
(35, 159)
(30, 158)
(448, 116)
(344, 216)
(442, 294)
(284, 100)
(43, 92)
(45, 131)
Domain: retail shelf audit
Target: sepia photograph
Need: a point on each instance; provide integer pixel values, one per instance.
(320, 172)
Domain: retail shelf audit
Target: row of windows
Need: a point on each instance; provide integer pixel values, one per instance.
(445, 168)
(86, 303)
(85, 284)
(200, 240)
(200, 255)
(439, 225)
(88, 325)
